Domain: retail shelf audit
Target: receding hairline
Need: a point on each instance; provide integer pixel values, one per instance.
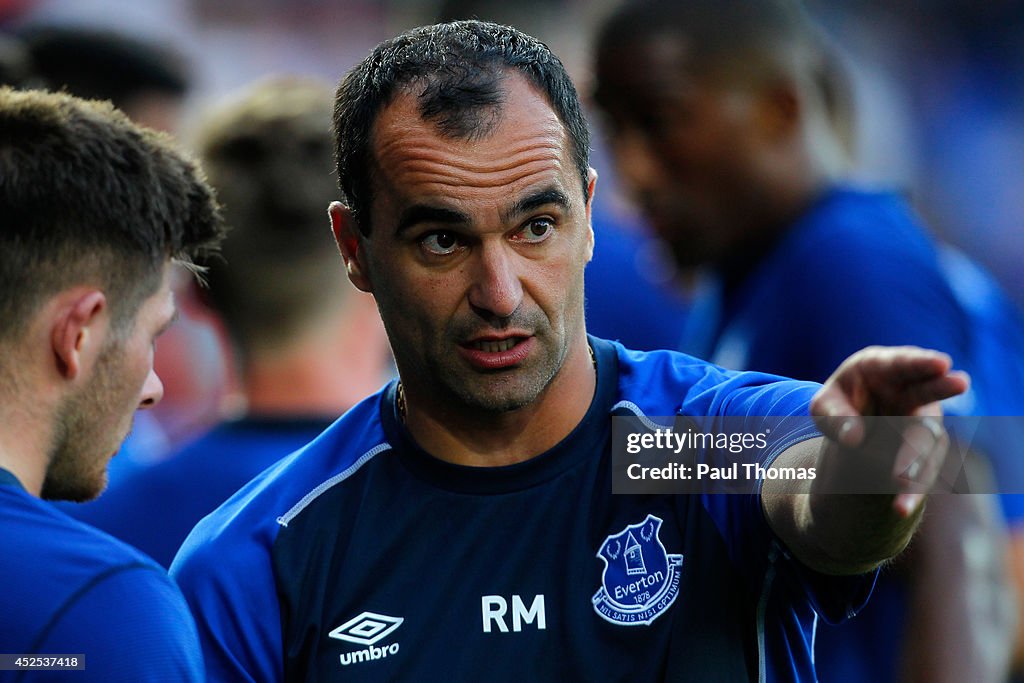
(409, 92)
(445, 50)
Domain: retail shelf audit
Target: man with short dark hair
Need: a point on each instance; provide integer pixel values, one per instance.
(460, 524)
(149, 80)
(94, 211)
(307, 343)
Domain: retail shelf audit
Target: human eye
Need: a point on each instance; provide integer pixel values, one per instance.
(440, 243)
(536, 230)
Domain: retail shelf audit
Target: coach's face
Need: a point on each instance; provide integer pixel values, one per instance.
(477, 251)
(94, 420)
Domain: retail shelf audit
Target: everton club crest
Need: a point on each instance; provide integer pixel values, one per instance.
(640, 580)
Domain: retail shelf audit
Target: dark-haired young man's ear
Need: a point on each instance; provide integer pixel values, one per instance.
(346, 234)
(78, 331)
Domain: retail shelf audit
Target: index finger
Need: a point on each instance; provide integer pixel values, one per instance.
(925, 392)
(902, 364)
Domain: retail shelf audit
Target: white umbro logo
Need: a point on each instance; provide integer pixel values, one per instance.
(367, 628)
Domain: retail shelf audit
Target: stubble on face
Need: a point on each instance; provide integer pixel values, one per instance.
(84, 437)
(504, 390)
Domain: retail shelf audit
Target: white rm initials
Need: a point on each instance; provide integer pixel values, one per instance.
(495, 607)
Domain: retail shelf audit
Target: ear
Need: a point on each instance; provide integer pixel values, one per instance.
(79, 331)
(591, 187)
(346, 234)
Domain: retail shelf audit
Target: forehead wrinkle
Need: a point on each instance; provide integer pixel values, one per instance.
(529, 147)
(426, 178)
(513, 169)
(402, 149)
(440, 164)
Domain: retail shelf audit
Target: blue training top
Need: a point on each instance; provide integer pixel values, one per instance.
(72, 590)
(363, 557)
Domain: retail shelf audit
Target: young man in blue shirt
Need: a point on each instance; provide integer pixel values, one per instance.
(95, 211)
(460, 524)
(307, 344)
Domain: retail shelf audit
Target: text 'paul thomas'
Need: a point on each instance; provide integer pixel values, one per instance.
(664, 441)
(704, 471)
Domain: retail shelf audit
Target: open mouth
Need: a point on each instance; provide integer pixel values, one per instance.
(498, 346)
(498, 354)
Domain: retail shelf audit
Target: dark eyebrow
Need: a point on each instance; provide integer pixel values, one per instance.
(420, 213)
(535, 201)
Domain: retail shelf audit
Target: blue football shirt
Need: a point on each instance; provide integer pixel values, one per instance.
(362, 557)
(70, 589)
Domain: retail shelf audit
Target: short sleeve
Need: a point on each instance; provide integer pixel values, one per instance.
(757, 403)
(232, 595)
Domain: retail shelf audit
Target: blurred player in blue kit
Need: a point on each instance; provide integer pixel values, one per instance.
(459, 524)
(94, 212)
(722, 117)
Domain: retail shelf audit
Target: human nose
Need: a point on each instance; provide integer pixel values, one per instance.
(152, 391)
(496, 290)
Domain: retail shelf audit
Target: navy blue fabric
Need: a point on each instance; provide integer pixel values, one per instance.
(155, 508)
(70, 589)
(407, 559)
